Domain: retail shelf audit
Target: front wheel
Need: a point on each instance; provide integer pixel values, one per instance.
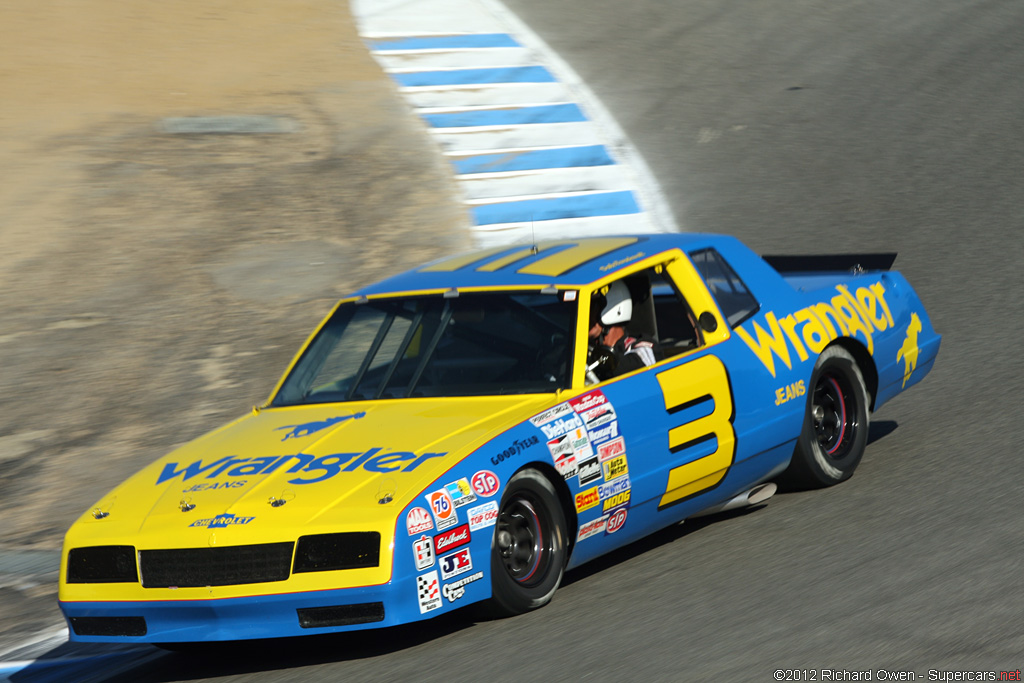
(835, 429)
(528, 552)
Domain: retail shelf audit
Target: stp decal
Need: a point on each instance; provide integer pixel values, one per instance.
(457, 563)
(429, 589)
(418, 521)
(443, 508)
(616, 520)
(423, 550)
(485, 483)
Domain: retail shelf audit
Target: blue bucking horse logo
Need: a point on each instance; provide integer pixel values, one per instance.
(307, 428)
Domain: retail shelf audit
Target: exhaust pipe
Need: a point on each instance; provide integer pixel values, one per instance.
(754, 496)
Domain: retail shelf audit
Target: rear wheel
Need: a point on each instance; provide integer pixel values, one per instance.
(528, 553)
(835, 429)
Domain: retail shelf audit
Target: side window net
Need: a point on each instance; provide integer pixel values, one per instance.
(731, 295)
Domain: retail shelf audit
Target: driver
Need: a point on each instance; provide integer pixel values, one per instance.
(612, 350)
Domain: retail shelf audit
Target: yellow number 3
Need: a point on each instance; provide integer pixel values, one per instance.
(686, 386)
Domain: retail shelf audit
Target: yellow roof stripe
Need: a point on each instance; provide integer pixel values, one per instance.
(462, 260)
(519, 255)
(566, 260)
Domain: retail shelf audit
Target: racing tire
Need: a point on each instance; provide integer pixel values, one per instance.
(835, 429)
(528, 549)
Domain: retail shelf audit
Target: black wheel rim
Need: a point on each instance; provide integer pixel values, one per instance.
(834, 413)
(523, 540)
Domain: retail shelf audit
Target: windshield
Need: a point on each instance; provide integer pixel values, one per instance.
(474, 344)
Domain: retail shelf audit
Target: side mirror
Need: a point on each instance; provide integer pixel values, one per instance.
(708, 321)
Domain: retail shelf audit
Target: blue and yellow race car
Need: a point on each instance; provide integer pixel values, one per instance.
(469, 430)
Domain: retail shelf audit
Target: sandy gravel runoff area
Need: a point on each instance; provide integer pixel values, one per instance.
(154, 283)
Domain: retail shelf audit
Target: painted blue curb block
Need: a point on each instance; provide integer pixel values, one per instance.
(580, 206)
(469, 40)
(498, 74)
(548, 113)
(561, 157)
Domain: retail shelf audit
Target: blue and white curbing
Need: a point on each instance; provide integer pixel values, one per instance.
(534, 152)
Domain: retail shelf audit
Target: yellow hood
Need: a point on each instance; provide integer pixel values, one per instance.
(288, 471)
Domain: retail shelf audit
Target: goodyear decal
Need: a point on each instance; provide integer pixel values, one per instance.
(313, 469)
(853, 314)
(909, 350)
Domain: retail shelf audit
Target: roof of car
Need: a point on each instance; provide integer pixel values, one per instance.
(568, 262)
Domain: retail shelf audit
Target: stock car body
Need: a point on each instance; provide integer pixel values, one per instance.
(440, 439)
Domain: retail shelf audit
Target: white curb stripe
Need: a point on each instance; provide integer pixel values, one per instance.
(533, 151)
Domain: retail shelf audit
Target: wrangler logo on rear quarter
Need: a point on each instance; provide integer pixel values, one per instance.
(847, 314)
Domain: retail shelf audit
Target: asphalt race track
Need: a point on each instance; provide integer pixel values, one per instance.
(799, 126)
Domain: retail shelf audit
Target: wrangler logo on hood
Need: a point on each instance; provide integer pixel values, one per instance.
(315, 469)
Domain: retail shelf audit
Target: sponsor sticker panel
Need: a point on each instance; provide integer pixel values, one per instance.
(418, 521)
(589, 471)
(429, 589)
(455, 590)
(485, 483)
(616, 520)
(457, 563)
(483, 516)
(450, 540)
(423, 551)
(611, 449)
(614, 468)
(461, 492)
(587, 499)
(598, 526)
(443, 508)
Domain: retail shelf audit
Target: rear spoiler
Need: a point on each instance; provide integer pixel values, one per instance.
(831, 262)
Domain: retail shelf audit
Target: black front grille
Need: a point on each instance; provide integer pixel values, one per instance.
(341, 615)
(191, 567)
(108, 626)
(329, 552)
(102, 564)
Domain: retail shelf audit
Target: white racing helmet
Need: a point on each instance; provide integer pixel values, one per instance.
(618, 308)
